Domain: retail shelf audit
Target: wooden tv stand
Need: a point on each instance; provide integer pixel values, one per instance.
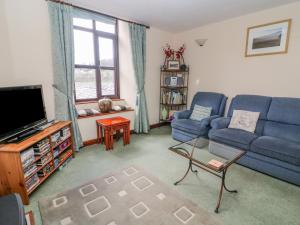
(13, 178)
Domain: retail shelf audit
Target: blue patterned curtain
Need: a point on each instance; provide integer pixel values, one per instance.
(138, 45)
(61, 21)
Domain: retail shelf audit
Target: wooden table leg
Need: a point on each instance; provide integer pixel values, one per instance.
(101, 134)
(128, 133)
(124, 135)
(111, 138)
(98, 133)
(107, 138)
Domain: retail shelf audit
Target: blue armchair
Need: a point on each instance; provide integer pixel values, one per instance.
(185, 129)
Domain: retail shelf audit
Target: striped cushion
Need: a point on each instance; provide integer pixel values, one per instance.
(200, 112)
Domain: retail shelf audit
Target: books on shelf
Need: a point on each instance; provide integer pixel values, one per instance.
(215, 164)
(172, 97)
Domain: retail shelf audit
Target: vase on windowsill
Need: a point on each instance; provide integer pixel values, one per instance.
(105, 105)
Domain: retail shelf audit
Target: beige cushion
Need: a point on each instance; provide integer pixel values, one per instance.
(200, 112)
(244, 120)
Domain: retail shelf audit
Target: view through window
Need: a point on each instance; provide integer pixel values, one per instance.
(96, 59)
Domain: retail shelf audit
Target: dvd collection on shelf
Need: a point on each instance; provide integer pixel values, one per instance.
(38, 161)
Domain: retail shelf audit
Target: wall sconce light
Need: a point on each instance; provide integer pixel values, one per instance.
(200, 42)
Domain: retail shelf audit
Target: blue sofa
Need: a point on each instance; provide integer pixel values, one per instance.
(185, 129)
(274, 147)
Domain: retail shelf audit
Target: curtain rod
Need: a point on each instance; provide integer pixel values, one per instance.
(89, 10)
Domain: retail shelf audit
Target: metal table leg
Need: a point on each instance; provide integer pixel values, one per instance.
(221, 191)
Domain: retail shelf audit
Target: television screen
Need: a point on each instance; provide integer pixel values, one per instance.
(21, 108)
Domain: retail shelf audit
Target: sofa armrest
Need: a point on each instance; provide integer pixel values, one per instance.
(182, 114)
(206, 122)
(220, 123)
(12, 210)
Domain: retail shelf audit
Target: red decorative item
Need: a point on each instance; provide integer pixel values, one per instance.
(171, 54)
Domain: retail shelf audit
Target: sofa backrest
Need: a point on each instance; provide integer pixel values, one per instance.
(210, 99)
(254, 103)
(284, 119)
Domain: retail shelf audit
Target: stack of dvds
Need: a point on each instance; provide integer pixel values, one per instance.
(46, 170)
(65, 132)
(31, 182)
(44, 159)
(27, 157)
(42, 147)
(29, 170)
(55, 138)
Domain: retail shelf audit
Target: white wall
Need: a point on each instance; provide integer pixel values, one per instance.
(29, 43)
(156, 40)
(220, 65)
(5, 57)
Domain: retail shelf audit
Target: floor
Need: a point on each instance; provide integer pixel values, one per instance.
(262, 200)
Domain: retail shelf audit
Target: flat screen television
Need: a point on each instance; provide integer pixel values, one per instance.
(22, 109)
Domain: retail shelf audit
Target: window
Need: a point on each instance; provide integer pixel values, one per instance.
(96, 59)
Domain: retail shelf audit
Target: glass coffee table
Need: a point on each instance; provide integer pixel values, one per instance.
(210, 156)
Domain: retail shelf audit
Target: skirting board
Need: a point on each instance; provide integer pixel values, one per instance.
(94, 141)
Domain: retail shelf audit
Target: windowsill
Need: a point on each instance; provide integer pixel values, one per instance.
(104, 114)
(96, 101)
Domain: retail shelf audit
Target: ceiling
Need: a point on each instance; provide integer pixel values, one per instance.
(178, 15)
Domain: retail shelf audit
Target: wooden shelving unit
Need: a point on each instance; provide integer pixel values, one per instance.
(12, 175)
(168, 100)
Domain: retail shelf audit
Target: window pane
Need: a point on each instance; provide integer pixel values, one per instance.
(106, 52)
(105, 27)
(108, 82)
(84, 48)
(85, 84)
(83, 23)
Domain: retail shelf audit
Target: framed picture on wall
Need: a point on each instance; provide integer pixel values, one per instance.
(173, 65)
(268, 39)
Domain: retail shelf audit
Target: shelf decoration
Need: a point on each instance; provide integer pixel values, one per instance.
(174, 59)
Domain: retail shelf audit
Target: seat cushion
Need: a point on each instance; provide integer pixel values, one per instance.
(233, 137)
(277, 148)
(190, 126)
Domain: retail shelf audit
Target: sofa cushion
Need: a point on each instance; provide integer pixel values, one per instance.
(190, 126)
(244, 120)
(285, 110)
(283, 131)
(277, 148)
(233, 137)
(199, 112)
(209, 99)
(252, 103)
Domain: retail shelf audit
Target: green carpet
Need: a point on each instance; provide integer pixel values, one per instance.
(261, 200)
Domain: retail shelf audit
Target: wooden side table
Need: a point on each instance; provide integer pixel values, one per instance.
(109, 126)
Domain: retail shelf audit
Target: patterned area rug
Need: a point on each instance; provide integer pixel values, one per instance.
(128, 197)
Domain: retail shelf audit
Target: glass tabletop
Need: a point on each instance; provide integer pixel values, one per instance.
(207, 153)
